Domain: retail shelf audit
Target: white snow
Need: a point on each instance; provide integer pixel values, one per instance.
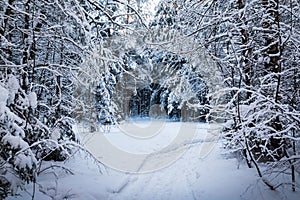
(24, 161)
(2, 111)
(15, 142)
(4, 94)
(153, 160)
(13, 86)
(55, 134)
(32, 98)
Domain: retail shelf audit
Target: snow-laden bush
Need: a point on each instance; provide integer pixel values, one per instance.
(21, 151)
(17, 160)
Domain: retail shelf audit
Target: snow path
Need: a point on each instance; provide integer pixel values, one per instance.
(157, 160)
(152, 161)
(174, 181)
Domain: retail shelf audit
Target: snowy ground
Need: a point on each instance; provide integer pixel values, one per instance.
(154, 160)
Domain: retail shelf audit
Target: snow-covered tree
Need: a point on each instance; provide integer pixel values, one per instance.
(254, 43)
(101, 68)
(43, 44)
(17, 160)
(96, 86)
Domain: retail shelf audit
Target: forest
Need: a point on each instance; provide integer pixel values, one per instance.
(105, 62)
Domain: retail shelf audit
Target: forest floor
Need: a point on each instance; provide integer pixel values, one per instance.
(153, 160)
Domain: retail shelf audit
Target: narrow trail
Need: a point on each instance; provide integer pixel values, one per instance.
(159, 161)
(153, 161)
(172, 182)
(155, 178)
